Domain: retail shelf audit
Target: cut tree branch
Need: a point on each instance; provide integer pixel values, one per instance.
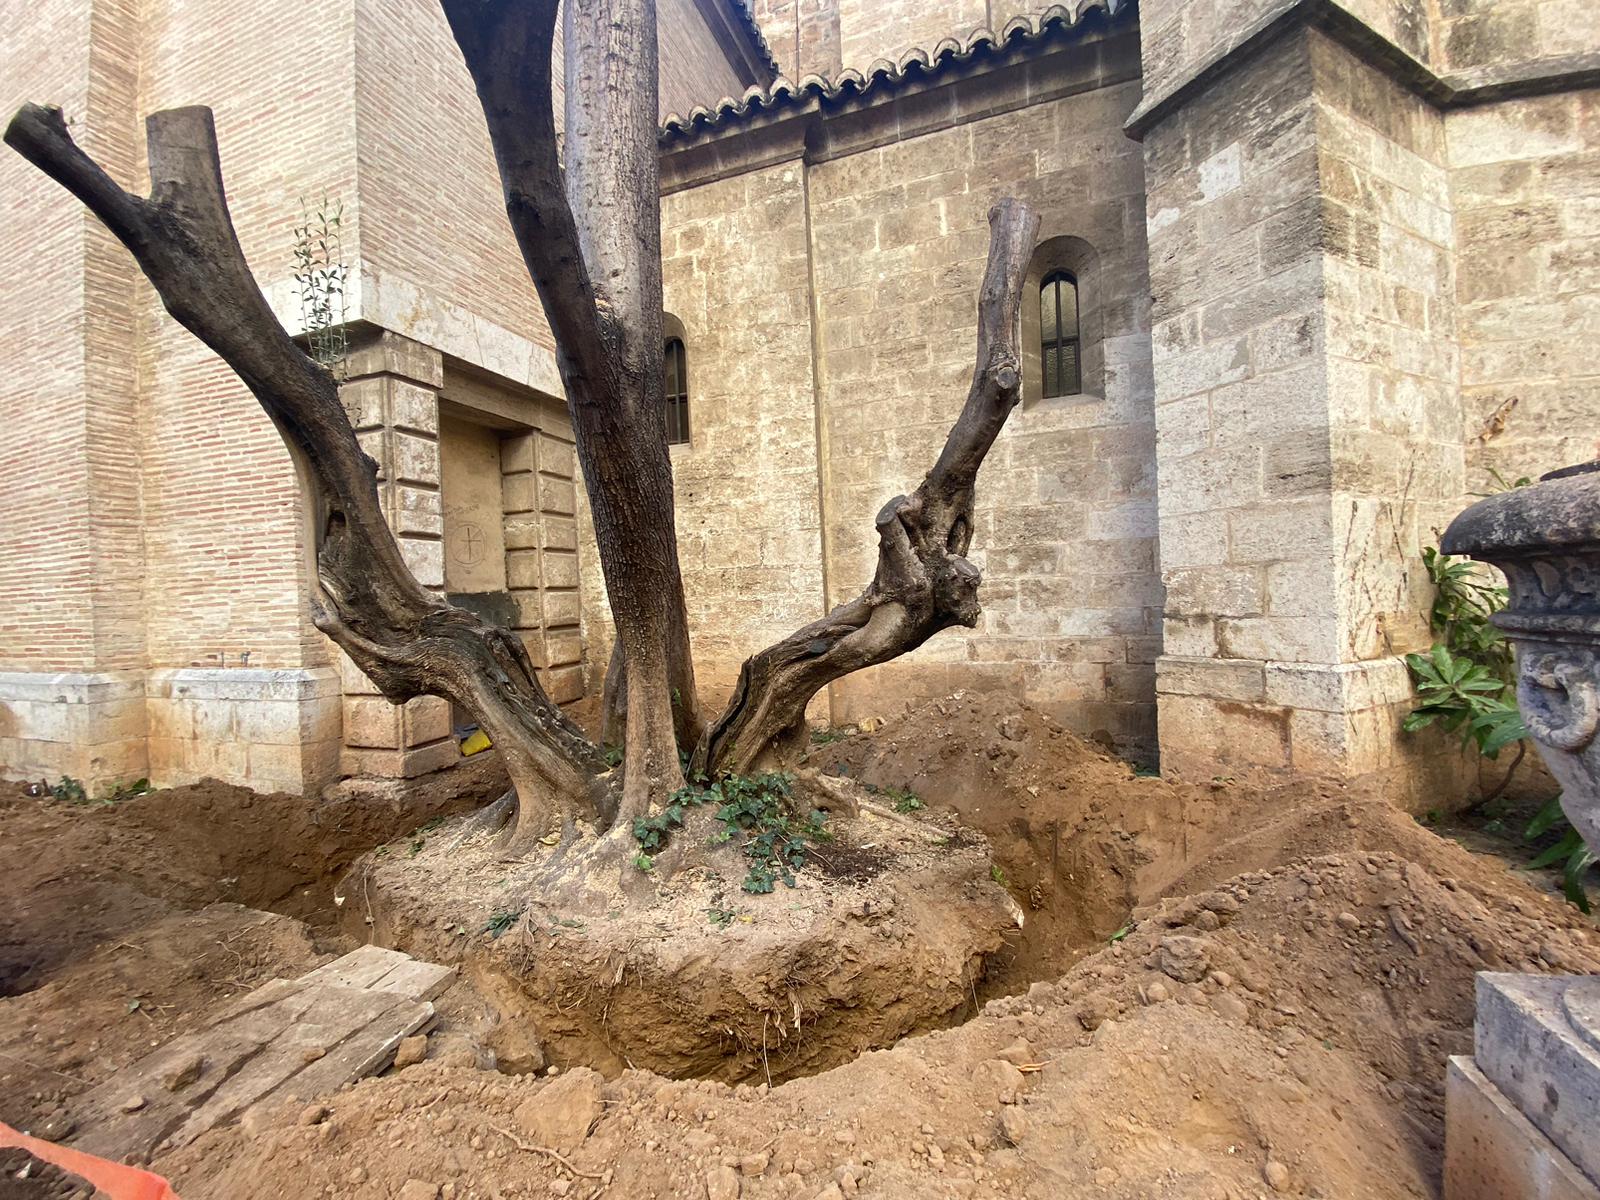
(924, 582)
(408, 641)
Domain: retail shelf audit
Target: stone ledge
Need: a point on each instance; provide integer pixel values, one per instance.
(1312, 687)
(1538, 1042)
(1457, 90)
(1493, 1152)
(71, 687)
(247, 684)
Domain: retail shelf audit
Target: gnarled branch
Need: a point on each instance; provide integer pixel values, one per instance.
(408, 641)
(924, 582)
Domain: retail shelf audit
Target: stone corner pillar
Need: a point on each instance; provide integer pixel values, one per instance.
(1304, 440)
(391, 392)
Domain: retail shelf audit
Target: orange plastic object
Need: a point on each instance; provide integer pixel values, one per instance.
(114, 1179)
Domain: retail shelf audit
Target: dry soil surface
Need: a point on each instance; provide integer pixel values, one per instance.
(1225, 993)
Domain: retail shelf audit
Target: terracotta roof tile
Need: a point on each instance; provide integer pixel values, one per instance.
(885, 75)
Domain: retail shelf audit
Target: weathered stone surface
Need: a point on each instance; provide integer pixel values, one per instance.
(1546, 538)
(1537, 1039)
(1493, 1152)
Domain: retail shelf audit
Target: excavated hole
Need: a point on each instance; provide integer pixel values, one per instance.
(886, 948)
(889, 934)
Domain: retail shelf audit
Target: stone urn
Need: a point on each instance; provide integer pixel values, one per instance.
(1546, 539)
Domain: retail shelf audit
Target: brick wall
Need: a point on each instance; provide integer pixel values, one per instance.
(69, 548)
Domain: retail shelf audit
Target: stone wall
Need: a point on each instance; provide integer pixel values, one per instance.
(873, 29)
(1525, 183)
(1482, 39)
(1301, 241)
(1066, 502)
(736, 270)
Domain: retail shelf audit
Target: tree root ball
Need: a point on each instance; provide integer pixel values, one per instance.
(886, 933)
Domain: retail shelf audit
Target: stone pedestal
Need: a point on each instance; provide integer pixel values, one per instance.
(1521, 1114)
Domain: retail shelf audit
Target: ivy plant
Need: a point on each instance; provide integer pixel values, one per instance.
(760, 807)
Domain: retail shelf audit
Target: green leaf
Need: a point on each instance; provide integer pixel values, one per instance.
(1569, 842)
(1545, 818)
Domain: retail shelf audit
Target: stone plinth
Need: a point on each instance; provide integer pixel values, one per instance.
(1520, 1121)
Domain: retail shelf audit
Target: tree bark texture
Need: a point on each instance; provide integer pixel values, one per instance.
(591, 238)
(408, 641)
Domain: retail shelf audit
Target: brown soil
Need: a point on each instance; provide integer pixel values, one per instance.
(1289, 970)
(886, 933)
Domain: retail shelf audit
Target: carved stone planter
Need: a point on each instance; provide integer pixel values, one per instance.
(1546, 538)
(1519, 1114)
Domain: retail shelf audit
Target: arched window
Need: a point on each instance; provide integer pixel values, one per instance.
(1059, 344)
(677, 391)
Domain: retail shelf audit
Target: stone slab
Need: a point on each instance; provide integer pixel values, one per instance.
(1493, 1152)
(1536, 1041)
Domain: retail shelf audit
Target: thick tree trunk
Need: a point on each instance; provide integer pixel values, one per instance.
(592, 243)
(408, 641)
(924, 582)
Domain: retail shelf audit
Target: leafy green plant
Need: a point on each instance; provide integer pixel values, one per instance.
(720, 917)
(1464, 683)
(824, 737)
(125, 791)
(319, 274)
(497, 925)
(776, 841)
(1464, 697)
(1569, 850)
(69, 790)
(905, 800)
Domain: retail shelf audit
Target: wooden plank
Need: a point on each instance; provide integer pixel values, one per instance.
(357, 1057)
(333, 1016)
(110, 1131)
(308, 1042)
(416, 980)
(361, 968)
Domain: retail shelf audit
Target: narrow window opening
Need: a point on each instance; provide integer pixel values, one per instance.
(677, 392)
(1058, 335)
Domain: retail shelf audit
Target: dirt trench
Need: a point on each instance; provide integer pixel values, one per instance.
(1207, 980)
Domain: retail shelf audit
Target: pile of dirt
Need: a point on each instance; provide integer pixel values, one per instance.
(122, 925)
(110, 1007)
(1219, 993)
(89, 873)
(1284, 1034)
(884, 933)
